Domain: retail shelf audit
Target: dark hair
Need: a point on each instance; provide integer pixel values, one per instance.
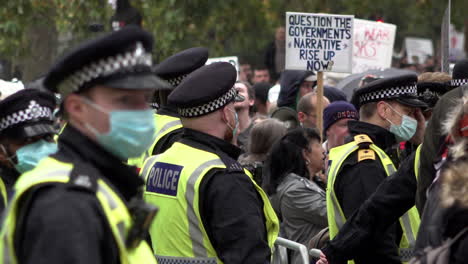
(286, 157)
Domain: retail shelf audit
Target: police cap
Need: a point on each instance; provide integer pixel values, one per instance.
(27, 113)
(175, 68)
(121, 59)
(460, 73)
(206, 90)
(430, 92)
(400, 88)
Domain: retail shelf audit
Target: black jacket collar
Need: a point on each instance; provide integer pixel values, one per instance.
(210, 143)
(381, 137)
(9, 176)
(74, 147)
(168, 110)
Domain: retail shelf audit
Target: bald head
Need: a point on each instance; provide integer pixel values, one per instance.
(306, 109)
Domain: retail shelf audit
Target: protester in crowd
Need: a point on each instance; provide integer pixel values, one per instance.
(333, 94)
(78, 201)
(261, 98)
(26, 140)
(245, 74)
(261, 74)
(307, 111)
(294, 85)
(289, 181)
(286, 115)
(387, 116)
(275, 54)
(434, 216)
(433, 138)
(168, 126)
(212, 211)
(454, 183)
(335, 123)
(244, 110)
(262, 137)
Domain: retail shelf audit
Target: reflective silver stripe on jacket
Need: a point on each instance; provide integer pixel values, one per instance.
(181, 260)
(7, 258)
(167, 126)
(339, 221)
(196, 235)
(146, 168)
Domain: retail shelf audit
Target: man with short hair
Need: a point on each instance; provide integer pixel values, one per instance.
(335, 123)
(83, 204)
(306, 109)
(294, 85)
(243, 110)
(390, 113)
(26, 140)
(262, 104)
(261, 75)
(211, 211)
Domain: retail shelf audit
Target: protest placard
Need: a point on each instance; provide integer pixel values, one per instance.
(418, 49)
(319, 42)
(373, 45)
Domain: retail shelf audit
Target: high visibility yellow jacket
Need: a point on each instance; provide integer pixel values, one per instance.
(173, 181)
(336, 218)
(51, 172)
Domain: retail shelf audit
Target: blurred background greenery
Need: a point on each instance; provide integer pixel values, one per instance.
(33, 33)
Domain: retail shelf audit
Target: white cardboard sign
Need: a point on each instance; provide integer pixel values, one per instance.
(373, 45)
(319, 42)
(418, 49)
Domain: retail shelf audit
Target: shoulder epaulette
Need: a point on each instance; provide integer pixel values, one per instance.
(364, 152)
(363, 141)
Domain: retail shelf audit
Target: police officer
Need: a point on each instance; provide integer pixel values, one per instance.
(173, 70)
(210, 209)
(81, 205)
(26, 131)
(389, 114)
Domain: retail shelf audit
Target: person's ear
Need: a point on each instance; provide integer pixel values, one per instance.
(304, 154)
(224, 115)
(301, 116)
(74, 107)
(251, 102)
(382, 109)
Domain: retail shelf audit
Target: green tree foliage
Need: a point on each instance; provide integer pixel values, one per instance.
(31, 28)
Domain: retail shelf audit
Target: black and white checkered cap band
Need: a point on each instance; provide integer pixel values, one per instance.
(458, 82)
(393, 92)
(33, 112)
(106, 67)
(177, 80)
(208, 107)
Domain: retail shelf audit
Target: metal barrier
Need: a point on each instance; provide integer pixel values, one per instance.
(280, 255)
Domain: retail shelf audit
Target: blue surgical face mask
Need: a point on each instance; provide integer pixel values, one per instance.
(131, 131)
(29, 155)
(406, 130)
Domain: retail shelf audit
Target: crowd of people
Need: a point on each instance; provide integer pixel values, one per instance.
(110, 159)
